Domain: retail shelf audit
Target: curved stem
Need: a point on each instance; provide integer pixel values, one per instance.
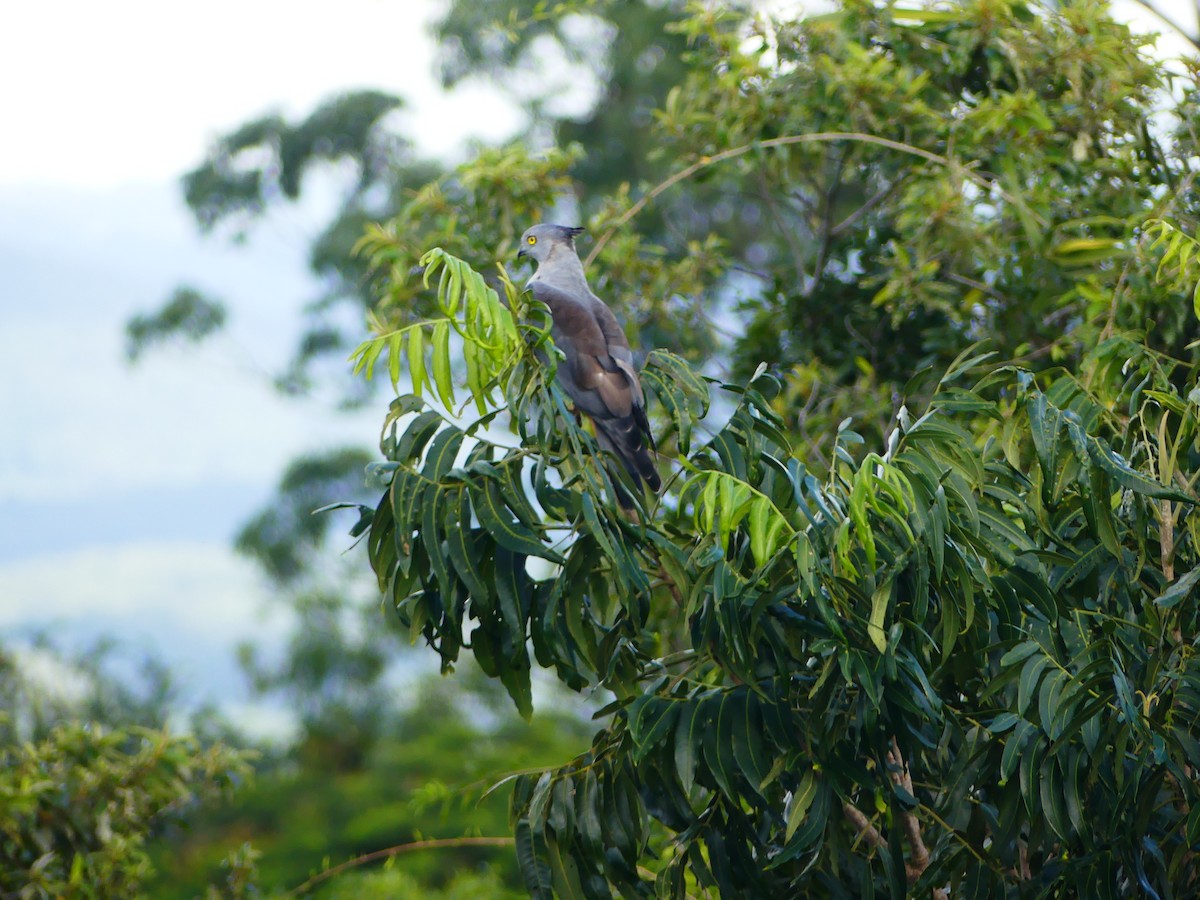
(814, 138)
(389, 852)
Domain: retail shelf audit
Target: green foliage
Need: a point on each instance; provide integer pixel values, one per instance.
(78, 806)
(463, 886)
(1017, 222)
(81, 685)
(875, 188)
(424, 778)
(625, 50)
(1178, 267)
(285, 535)
(189, 314)
(914, 671)
(491, 341)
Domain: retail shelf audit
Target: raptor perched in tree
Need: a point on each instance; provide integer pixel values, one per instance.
(598, 372)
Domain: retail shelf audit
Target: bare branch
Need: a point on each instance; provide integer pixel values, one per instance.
(903, 778)
(825, 228)
(1189, 36)
(871, 203)
(788, 233)
(982, 287)
(388, 853)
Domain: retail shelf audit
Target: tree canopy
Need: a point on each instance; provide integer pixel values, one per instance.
(911, 607)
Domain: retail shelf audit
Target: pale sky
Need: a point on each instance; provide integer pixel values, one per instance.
(99, 94)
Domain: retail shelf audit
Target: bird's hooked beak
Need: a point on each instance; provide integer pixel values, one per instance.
(521, 253)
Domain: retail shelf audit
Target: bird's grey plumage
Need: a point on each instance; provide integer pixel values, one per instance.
(598, 373)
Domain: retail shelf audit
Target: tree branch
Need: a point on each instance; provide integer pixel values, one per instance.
(863, 826)
(982, 287)
(1171, 23)
(903, 778)
(788, 235)
(812, 138)
(389, 852)
(871, 203)
(826, 226)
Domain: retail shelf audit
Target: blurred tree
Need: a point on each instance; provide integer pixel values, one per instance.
(78, 806)
(265, 163)
(616, 60)
(423, 778)
(189, 314)
(331, 671)
(43, 685)
(89, 773)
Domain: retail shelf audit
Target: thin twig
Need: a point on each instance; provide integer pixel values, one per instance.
(788, 235)
(874, 201)
(814, 138)
(389, 852)
(982, 287)
(826, 227)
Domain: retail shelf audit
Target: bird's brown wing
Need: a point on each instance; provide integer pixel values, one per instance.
(598, 375)
(597, 382)
(618, 345)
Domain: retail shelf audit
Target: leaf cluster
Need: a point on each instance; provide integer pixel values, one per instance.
(78, 806)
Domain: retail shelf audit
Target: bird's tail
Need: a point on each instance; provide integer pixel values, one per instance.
(629, 440)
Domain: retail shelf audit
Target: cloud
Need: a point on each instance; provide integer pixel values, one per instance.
(84, 422)
(136, 89)
(190, 589)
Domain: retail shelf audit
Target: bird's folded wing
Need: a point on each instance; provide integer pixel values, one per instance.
(618, 345)
(592, 368)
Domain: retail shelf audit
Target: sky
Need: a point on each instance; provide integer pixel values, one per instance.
(122, 486)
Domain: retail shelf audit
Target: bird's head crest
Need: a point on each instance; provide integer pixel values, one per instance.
(538, 240)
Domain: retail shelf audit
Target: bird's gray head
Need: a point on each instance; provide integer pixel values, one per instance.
(539, 241)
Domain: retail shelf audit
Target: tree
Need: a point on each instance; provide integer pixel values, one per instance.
(86, 783)
(331, 672)
(916, 665)
(420, 793)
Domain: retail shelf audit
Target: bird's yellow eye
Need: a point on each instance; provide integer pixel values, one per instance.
(531, 240)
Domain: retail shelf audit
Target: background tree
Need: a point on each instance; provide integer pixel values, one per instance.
(90, 775)
(423, 776)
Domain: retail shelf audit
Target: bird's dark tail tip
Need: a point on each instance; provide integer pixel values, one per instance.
(624, 440)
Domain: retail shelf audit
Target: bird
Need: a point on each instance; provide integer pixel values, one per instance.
(598, 373)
